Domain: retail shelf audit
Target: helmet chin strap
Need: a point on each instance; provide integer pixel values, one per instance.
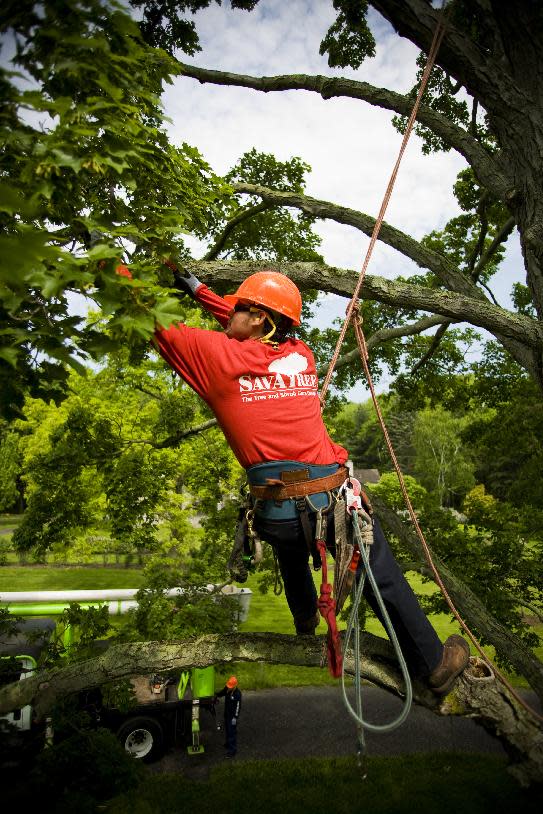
(267, 338)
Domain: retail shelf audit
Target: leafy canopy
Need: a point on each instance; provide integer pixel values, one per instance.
(87, 174)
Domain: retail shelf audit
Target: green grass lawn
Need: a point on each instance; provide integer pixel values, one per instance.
(428, 784)
(267, 613)
(49, 578)
(10, 520)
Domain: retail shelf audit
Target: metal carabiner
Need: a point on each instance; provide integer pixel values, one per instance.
(320, 525)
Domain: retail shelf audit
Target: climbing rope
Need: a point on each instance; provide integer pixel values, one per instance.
(428, 556)
(353, 632)
(352, 310)
(434, 48)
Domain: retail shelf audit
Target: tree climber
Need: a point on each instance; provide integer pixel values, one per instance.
(261, 384)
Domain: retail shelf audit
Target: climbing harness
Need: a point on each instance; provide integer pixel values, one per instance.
(288, 490)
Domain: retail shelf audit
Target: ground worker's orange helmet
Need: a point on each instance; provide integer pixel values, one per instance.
(270, 290)
(232, 682)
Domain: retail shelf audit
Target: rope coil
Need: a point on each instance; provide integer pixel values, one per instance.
(353, 632)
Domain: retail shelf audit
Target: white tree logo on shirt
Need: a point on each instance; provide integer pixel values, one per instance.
(287, 379)
(289, 365)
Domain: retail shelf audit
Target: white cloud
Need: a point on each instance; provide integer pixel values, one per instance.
(350, 145)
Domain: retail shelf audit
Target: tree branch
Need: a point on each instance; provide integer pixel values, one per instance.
(421, 255)
(476, 692)
(500, 237)
(434, 345)
(478, 249)
(385, 335)
(173, 440)
(484, 165)
(524, 330)
(249, 212)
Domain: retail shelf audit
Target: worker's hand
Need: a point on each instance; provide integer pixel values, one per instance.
(185, 282)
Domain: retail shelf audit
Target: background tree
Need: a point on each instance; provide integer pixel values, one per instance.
(442, 462)
(10, 469)
(87, 171)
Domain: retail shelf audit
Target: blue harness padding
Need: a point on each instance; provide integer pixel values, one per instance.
(286, 509)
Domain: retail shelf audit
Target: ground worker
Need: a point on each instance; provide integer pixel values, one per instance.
(232, 705)
(261, 383)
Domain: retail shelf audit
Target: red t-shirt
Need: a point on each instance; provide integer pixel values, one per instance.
(265, 399)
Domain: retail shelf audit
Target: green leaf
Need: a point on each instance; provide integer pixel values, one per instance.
(103, 252)
(66, 160)
(167, 311)
(10, 355)
(13, 203)
(64, 355)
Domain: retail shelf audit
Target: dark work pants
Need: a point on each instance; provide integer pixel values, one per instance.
(419, 642)
(231, 740)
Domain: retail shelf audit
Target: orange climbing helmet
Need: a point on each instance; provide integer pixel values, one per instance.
(232, 682)
(270, 290)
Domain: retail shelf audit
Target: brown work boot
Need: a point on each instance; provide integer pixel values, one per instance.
(455, 659)
(306, 627)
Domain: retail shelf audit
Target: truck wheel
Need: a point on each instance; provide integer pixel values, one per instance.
(142, 738)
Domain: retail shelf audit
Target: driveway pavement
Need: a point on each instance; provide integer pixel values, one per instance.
(313, 722)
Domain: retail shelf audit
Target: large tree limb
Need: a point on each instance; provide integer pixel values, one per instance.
(476, 693)
(424, 257)
(524, 330)
(420, 254)
(487, 169)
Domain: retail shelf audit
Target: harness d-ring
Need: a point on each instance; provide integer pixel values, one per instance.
(324, 509)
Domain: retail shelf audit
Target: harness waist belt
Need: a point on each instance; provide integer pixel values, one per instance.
(278, 490)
